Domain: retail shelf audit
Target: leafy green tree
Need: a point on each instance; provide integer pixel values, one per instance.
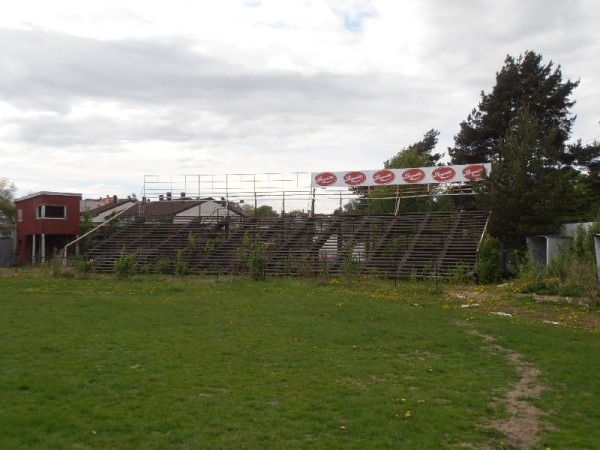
(523, 83)
(266, 211)
(419, 154)
(382, 200)
(261, 211)
(7, 189)
(7, 207)
(246, 209)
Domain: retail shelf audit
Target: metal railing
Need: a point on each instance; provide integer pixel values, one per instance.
(93, 230)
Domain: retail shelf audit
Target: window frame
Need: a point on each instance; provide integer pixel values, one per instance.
(40, 211)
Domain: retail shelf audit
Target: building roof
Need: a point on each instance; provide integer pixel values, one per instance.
(39, 194)
(108, 206)
(163, 208)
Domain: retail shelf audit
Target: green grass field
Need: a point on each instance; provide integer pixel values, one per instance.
(205, 363)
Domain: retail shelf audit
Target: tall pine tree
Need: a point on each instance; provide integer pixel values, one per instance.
(522, 127)
(524, 83)
(526, 196)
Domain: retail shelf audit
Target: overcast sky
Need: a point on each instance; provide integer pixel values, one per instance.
(95, 94)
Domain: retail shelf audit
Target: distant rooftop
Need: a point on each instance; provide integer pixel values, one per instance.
(38, 194)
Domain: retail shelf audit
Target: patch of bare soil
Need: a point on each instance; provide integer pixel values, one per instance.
(524, 423)
(552, 310)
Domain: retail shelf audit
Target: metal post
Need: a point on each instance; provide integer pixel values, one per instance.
(227, 193)
(396, 269)
(255, 200)
(33, 249)
(43, 248)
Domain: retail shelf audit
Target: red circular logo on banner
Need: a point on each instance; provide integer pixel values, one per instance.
(443, 174)
(325, 179)
(383, 176)
(354, 178)
(473, 172)
(413, 175)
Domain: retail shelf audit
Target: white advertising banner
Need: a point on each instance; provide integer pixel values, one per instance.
(387, 177)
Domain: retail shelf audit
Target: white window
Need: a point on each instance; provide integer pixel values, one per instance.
(51, 212)
(20, 215)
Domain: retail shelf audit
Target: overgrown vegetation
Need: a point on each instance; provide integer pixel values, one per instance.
(85, 226)
(251, 255)
(258, 260)
(182, 265)
(7, 207)
(488, 260)
(573, 273)
(163, 265)
(126, 264)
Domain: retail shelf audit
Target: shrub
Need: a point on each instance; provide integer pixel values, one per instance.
(459, 274)
(56, 267)
(163, 266)
(125, 265)
(182, 266)
(85, 226)
(258, 260)
(83, 266)
(349, 267)
(243, 252)
(488, 257)
(305, 267)
(192, 245)
(209, 246)
(146, 269)
(287, 266)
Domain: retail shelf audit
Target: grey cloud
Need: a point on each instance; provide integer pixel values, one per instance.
(465, 34)
(172, 93)
(43, 69)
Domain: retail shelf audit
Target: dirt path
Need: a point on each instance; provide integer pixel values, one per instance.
(523, 425)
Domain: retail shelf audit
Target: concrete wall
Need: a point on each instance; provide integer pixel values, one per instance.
(543, 249)
(554, 245)
(536, 245)
(570, 229)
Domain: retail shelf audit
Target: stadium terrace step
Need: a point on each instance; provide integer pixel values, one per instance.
(416, 244)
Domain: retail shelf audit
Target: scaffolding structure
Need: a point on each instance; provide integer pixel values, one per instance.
(283, 191)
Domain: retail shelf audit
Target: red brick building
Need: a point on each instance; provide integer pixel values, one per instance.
(46, 222)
